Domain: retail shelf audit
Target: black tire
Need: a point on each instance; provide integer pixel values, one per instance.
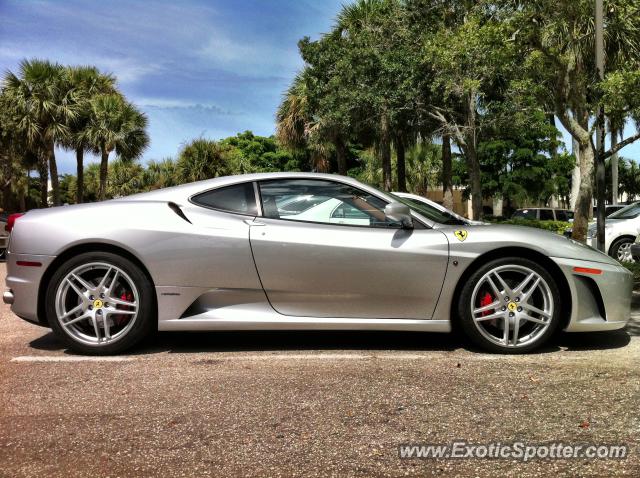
(471, 329)
(617, 244)
(144, 323)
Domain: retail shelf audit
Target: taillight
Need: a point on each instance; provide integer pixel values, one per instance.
(11, 221)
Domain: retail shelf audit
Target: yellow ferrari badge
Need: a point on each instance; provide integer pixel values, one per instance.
(512, 306)
(460, 234)
(97, 304)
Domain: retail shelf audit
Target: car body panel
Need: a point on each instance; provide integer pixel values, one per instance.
(325, 270)
(207, 265)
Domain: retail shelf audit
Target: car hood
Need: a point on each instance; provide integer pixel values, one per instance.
(481, 239)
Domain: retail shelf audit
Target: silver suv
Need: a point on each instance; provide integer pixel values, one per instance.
(543, 214)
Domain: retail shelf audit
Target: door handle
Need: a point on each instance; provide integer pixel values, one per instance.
(251, 222)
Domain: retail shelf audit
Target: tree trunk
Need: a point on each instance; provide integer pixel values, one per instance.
(401, 167)
(53, 170)
(475, 181)
(583, 206)
(7, 194)
(104, 169)
(614, 165)
(22, 198)
(447, 189)
(79, 175)
(385, 154)
(341, 156)
(553, 152)
(575, 176)
(471, 155)
(43, 172)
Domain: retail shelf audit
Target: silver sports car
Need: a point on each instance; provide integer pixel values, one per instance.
(300, 251)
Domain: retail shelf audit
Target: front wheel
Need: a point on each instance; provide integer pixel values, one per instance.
(621, 249)
(510, 305)
(100, 303)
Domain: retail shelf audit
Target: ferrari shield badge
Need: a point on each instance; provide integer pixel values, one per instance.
(461, 234)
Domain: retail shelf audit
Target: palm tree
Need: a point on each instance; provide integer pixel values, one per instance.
(298, 129)
(43, 109)
(16, 158)
(85, 82)
(114, 125)
(203, 159)
(125, 178)
(160, 174)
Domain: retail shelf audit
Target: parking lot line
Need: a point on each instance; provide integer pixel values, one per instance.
(71, 358)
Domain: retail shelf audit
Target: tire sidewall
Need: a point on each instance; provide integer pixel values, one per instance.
(146, 308)
(616, 246)
(467, 324)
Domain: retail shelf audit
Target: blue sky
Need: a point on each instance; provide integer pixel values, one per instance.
(197, 68)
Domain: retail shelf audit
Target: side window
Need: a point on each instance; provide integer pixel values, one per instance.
(238, 198)
(546, 215)
(525, 214)
(561, 215)
(325, 202)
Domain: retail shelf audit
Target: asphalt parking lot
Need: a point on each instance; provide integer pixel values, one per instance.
(304, 404)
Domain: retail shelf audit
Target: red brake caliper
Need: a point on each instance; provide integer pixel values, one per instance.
(486, 300)
(121, 319)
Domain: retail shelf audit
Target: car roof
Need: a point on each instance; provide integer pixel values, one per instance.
(182, 191)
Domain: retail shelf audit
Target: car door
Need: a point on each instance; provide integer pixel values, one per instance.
(311, 265)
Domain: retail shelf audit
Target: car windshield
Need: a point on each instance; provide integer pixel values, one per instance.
(630, 212)
(430, 212)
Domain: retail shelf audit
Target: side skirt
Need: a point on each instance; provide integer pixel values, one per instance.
(305, 323)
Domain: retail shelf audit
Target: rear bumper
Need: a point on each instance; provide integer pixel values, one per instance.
(23, 285)
(635, 250)
(599, 301)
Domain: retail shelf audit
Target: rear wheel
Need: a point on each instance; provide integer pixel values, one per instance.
(510, 305)
(100, 303)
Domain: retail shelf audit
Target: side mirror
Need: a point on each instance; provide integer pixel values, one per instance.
(398, 212)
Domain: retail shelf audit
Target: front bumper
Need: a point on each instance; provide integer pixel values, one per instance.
(599, 301)
(23, 283)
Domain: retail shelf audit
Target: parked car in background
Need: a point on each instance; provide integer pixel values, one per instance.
(609, 209)
(621, 229)
(543, 214)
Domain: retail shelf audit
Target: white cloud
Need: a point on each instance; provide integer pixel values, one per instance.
(178, 104)
(127, 70)
(240, 56)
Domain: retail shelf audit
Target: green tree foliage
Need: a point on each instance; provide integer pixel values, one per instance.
(114, 125)
(41, 110)
(359, 85)
(260, 154)
(160, 174)
(555, 40)
(46, 105)
(519, 158)
(84, 83)
(203, 159)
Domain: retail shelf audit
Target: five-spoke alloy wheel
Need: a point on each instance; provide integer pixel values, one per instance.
(100, 303)
(510, 305)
